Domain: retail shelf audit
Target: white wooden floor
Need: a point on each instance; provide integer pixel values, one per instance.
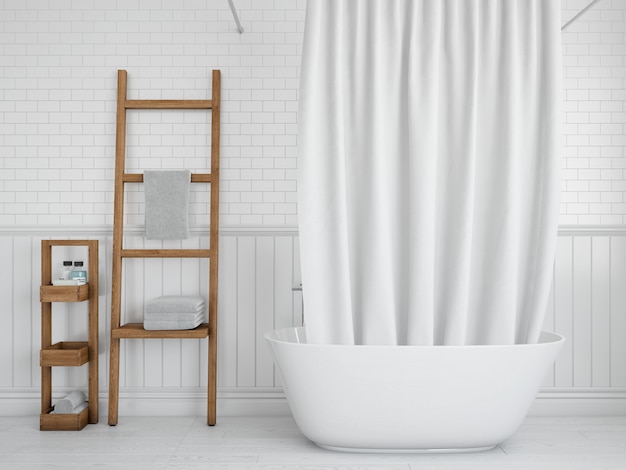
(275, 443)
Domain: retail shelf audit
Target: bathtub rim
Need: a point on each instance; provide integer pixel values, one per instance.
(545, 338)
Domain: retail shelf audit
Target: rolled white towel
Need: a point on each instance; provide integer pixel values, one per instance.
(70, 402)
(75, 411)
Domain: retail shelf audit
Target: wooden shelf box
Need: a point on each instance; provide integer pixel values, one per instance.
(64, 293)
(64, 422)
(65, 354)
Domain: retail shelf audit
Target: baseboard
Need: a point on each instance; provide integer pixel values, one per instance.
(177, 402)
(580, 402)
(272, 402)
(160, 402)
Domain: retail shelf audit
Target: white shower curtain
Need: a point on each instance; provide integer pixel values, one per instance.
(429, 144)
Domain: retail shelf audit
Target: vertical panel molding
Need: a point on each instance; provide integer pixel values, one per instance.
(258, 270)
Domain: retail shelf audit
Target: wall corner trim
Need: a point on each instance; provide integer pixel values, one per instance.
(233, 230)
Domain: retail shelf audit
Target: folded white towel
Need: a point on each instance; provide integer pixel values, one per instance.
(175, 304)
(171, 324)
(70, 402)
(174, 316)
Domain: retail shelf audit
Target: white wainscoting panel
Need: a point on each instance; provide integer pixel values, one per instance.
(588, 307)
(257, 272)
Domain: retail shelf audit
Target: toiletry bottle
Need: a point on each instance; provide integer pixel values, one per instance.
(79, 274)
(66, 270)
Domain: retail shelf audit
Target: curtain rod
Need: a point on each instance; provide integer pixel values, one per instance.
(563, 28)
(236, 16)
(577, 15)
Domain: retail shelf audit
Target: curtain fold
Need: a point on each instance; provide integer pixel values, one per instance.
(428, 173)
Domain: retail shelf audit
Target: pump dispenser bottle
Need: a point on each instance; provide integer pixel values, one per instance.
(79, 273)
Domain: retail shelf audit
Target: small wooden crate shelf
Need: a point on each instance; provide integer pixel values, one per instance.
(70, 422)
(64, 293)
(65, 354)
(68, 353)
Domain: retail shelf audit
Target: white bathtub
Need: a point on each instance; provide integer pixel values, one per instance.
(410, 398)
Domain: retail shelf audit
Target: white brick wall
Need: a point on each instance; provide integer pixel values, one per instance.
(58, 69)
(594, 59)
(58, 63)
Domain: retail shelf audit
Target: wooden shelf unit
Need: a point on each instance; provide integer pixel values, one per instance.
(68, 353)
(73, 422)
(136, 330)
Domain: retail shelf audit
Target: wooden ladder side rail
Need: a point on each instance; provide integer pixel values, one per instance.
(214, 241)
(118, 233)
(119, 331)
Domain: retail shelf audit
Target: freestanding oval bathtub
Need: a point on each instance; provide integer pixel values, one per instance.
(410, 398)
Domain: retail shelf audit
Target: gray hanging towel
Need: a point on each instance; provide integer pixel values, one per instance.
(167, 204)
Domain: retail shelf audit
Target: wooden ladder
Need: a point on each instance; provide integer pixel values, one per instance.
(136, 330)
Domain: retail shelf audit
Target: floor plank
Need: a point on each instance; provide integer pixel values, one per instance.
(275, 443)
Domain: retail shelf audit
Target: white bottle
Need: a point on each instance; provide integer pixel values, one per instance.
(66, 270)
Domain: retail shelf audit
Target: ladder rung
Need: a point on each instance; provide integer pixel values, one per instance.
(168, 104)
(146, 253)
(138, 178)
(136, 330)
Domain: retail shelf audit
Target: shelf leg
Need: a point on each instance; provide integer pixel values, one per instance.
(46, 388)
(212, 385)
(114, 381)
(93, 331)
